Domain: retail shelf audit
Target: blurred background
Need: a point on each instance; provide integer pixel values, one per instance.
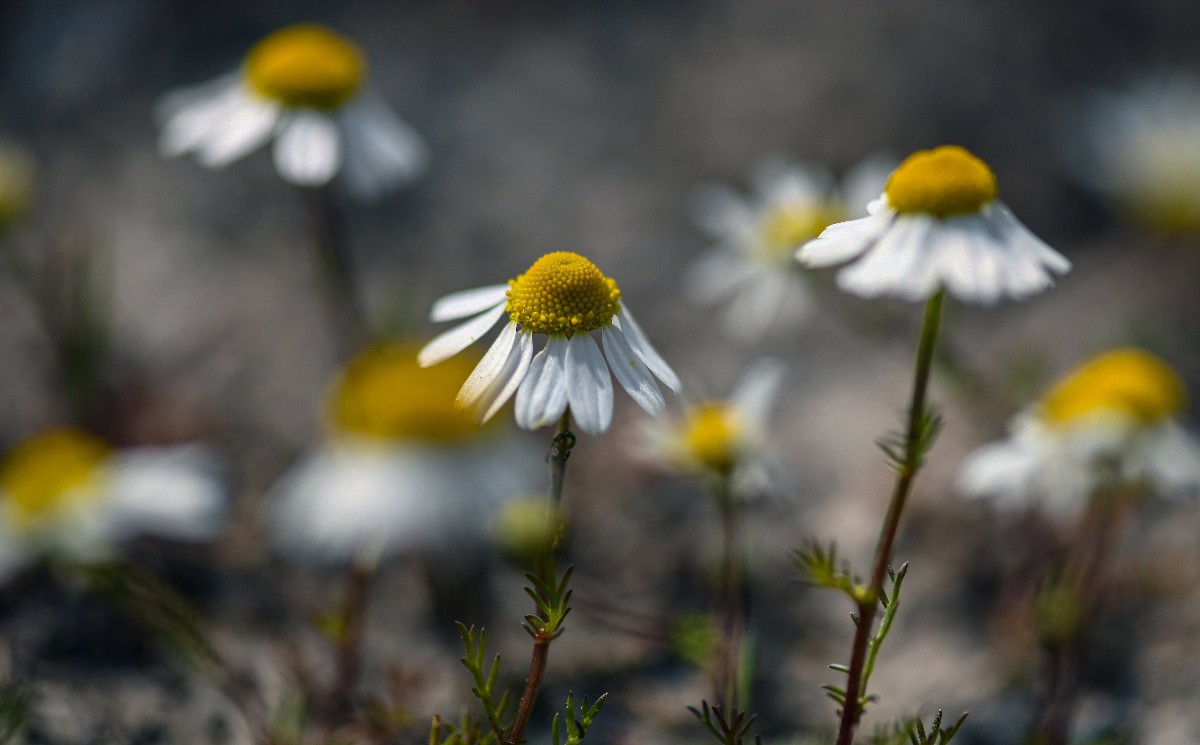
(588, 126)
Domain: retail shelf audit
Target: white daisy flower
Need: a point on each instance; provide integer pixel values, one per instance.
(565, 297)
(67, 493)
(17, 173)
(1142, 148)
(751, 267)
(302, 86)
(401, 467)
(938, 225)
(726, 437)
(1110, 421)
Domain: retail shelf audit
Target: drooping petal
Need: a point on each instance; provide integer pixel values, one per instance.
(241, 127)
(498, 374)
(449, 343)
(308, 150)
(843, 241)
(467, 302)
(175, 492)
(898, 264)
(637, 339)
(589, 386)
(631, 372)
(542, 397)
(754, 395)
(382, 151)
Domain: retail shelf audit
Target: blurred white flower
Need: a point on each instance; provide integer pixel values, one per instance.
(68, 494)
(17, 172)
(1141, 147)
(751, 267)
(401, 468)
(1110, 422)
(303, 86)
(723, 437)
(938, 225)
(565, 297)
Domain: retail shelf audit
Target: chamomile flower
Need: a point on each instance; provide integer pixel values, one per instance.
(751, 267)
(304, 86)
(401, 468)
(1142, 148)
(69, 494)
(564, 297)
(722, 437)
(938, 225)
(1109, 422)
(17, 170)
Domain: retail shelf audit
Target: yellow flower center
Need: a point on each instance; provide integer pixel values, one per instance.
(306, 66)
(383, 394)
(563, 293)
(47, 473)
(1128, 382)
(942, 182)
(712, 435)
(788, 225)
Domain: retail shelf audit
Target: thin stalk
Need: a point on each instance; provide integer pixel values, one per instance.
(560, 451)
(347, 317)
(348, 663)
(726, 684)
(906, 472)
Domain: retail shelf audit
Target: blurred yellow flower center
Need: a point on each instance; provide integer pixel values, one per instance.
(712, 435)
(1128, 382)
(46, 473)
(383, 394)
(306, 66)
(942, 182)
(788, 225)
(563, 293)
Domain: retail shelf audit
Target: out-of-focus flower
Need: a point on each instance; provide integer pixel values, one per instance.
(565, 297)
(938, 225)
(529, 527)
(304, 86)
(401, 467)
(1142, 148)
(17, 173)
(723, 438)
(1109, 423)
(67, 493)
(751, 267)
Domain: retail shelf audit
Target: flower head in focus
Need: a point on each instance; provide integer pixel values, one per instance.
(751, 267)
(722, 437)
(400, 468)
(67, 493)
(1110, 422)
(17, 172)
(1141, 147)
(564, 297)
(304, 86)
(938, 225)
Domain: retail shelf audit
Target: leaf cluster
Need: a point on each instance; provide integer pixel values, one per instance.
(819, 567)
(553, 600)
(576, 727)
(912, 731)
(475, 647)
(732, 730)
(890, 602)
(905, 451)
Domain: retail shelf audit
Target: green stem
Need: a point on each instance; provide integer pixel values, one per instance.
(560, 451)
(350, 643)
(726, 683)
(348, 320)
(907, 470)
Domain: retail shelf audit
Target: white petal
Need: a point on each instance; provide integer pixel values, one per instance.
(245, 124)
(637, 340)
(498, 374)
(722, 212)
(190, 116)
(467, 302)
(1003, 470)
(844, 241)
(169, 491)
(772, 295)
(1010, 228)
(542, 397)
(631, 372)
(862, 184)
(589, 386)
(449, 343)
(308, 150)
(382, 151)
(898, 264)
(716, 274)
(755, 393)
(1171, 459)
